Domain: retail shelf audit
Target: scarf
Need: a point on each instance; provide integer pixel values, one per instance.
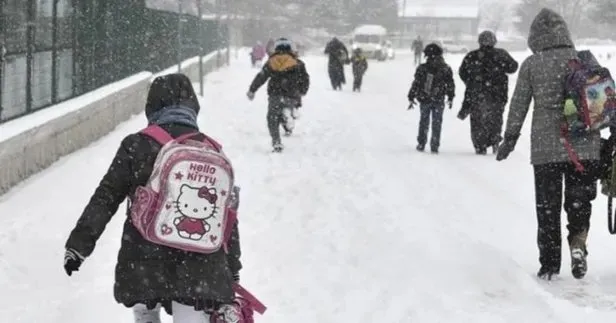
(175, 114)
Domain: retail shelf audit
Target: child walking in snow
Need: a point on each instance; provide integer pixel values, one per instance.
(433, 81)
(359, 63)
(148, 274)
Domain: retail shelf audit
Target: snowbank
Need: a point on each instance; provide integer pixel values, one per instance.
(32, 143)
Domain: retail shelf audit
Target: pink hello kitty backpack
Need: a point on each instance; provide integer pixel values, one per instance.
(186, 203)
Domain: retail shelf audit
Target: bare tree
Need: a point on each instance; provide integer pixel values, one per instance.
(494, 15)
(573, 11)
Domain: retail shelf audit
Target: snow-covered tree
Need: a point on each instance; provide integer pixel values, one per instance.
(604, 11)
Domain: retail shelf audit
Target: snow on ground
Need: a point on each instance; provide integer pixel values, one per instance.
(349, 224)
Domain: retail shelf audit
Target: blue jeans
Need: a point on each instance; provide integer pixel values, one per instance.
(434, 110)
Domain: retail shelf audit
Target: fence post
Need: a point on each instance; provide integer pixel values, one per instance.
(54, 52)
(30, 18)
(179, 36)
(201, 40)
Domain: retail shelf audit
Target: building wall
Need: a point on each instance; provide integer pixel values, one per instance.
(436, 27)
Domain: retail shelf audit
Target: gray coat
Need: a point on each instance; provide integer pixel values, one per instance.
(542, 79)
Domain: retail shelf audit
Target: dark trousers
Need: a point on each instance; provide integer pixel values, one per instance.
(357, 81)
(336, 74)
(580, 191)
(276, 116)
(487, 124)
(434, 111)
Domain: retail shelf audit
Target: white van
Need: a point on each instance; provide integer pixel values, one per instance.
(371, 38)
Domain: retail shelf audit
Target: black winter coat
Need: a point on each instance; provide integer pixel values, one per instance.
(336, 52)
(287, 76)
(359, 64)
(484, 72)
(145, 272)
(442, 82)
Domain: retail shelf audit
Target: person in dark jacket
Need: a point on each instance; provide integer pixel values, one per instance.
(148, 273)
(484, 72)
(433, 81)
(417, 47)
(541, 79)
(338, 56)
(288, 82)
(359, 64)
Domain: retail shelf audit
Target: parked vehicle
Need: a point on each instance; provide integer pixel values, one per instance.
(452, 46)
(371, 39)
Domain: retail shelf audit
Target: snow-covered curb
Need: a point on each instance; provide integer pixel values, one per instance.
(32, 143)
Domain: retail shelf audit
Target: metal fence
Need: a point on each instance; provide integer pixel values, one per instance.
(53, 50)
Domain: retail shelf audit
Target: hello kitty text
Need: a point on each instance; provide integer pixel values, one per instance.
(202, 173)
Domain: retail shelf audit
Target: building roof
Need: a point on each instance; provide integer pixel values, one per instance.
(440, 11)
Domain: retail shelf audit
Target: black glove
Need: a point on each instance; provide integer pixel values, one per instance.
(507, 146)
(235, 198)
(72, 261)
(236, 277)
(450, 103)
(411, 105)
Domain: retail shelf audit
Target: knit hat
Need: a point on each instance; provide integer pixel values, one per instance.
(433, 50)
(487, 38)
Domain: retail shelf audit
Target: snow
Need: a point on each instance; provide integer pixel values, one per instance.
(349, 224)
(440, 11)
(370, 30)
(25, 123)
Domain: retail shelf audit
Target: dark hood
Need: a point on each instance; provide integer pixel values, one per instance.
(171, 90)
(548, 30)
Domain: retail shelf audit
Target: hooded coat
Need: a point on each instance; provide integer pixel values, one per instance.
(337, 57)
(145, 272)
(442, 84)
(484, 71)
(542, 79)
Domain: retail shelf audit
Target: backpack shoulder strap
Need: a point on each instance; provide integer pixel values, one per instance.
(162, 136)
(157, 133)
(212, 142)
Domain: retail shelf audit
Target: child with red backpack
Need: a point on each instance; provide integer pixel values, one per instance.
(180, 246)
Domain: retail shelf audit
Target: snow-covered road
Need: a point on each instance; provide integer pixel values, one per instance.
(349, 224)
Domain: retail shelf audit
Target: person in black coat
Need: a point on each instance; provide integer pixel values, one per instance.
(148, 273)
(484, 72)
(288, 83)
(338, 56)
(433, 82)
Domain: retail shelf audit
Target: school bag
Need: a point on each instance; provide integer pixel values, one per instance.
(186, 202)
(241, 311)
(590, 101)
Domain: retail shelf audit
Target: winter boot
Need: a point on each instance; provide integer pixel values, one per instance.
(546, 273)
(481, 151)
(434, 150)
(495, 148)
(579, 266)
(278, 147)
(420, 147)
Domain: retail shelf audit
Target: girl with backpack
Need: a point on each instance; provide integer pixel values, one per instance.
(150, 274)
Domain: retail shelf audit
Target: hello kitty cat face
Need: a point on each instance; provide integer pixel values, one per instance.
(197, 202)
